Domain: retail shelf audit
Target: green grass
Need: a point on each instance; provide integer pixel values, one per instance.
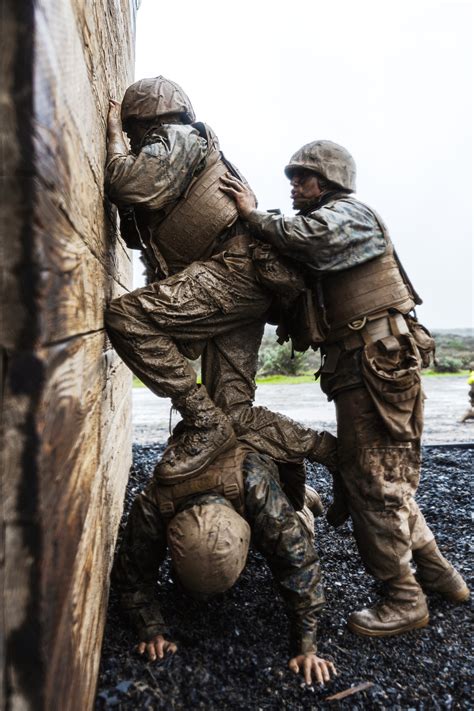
(286, 379)
(309, 378)
(432, 373)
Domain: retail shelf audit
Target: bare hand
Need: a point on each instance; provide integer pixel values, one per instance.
(313, 667)
(243, 196)
(113, 120)
(157, 647)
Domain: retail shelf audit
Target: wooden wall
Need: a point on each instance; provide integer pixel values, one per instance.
(66, 415)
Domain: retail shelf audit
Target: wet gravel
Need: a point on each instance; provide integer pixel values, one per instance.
(233, 649)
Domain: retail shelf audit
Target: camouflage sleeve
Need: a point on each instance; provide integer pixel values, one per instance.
(135, 572)
(160, 173)
(278, 534)
(338, 236)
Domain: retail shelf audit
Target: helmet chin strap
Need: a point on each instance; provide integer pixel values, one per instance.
(321, 200)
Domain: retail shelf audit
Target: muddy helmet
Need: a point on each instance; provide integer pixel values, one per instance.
(328, 159)
(208, 545)
(154, 98)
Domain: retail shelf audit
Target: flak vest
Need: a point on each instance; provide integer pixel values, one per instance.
(224, 476)
(189, 230)
(368, 290)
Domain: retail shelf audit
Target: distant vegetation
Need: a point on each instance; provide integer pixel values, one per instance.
(454, 352)
(274, 359)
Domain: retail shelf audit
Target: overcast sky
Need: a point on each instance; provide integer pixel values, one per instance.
(390, 81)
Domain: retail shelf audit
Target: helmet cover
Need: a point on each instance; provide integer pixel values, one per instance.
(154, 98)
(208, 545)
(328, 159)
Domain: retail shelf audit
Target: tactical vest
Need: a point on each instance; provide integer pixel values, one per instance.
(189, 231)
(367, 289)
(224, 476)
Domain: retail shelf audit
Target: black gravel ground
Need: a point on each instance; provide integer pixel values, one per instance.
(233, 650)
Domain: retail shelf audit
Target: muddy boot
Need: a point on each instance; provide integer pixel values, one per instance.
(313, 501)
(403, 609)
(307, 521)
(337, 513)
(205, 434)
(436, 574)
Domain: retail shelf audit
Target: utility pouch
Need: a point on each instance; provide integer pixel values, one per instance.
(301, 318)
(424, 341)
(390, 370)
(304, 323)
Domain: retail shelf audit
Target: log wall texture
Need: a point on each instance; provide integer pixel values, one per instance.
(66, 415)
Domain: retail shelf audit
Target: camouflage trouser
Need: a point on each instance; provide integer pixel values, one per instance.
(287, 542)
(216, 308)
(380, 477)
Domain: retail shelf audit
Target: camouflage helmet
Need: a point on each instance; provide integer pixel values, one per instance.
(153, 98)
(331, 161)
(208, 546)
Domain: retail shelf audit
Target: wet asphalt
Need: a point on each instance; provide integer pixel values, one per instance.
(446, 401)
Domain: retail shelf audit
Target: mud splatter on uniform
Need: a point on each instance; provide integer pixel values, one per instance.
(277, 532)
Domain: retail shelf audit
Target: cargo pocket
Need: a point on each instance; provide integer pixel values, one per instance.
(390, 369)
(382, 476)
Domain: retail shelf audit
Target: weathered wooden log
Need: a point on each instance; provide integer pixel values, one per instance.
(66, 416)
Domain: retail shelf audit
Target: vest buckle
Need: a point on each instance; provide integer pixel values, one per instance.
(166, 509)
(357, 324)
(231, 491)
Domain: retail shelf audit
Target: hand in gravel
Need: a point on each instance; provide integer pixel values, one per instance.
(313, 668)
(157, 647)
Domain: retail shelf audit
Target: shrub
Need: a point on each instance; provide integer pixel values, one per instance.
(448, 364)
(274, 359)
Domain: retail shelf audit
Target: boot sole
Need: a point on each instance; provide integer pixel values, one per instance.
(167, 479)
(365, 632)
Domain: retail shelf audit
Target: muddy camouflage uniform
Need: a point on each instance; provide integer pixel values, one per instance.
(371, 370)
(277, 532)
(214, 306)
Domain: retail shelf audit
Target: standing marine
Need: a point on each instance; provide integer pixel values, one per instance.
(203, 296)
(361, 300)
(206, 523)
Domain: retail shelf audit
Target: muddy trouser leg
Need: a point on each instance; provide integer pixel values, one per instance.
(380, 477)
(229, 367)
(150, 327)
